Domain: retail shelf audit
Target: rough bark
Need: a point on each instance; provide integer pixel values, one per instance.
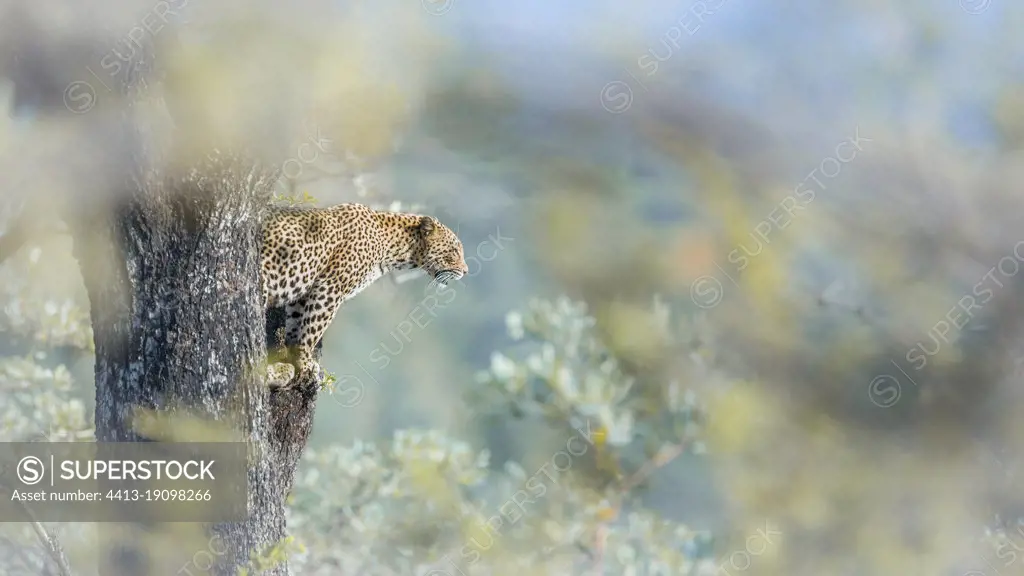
(291, 412)
(171, 267)
(172, 272)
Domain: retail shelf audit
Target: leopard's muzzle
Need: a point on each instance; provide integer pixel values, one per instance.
(443, 277)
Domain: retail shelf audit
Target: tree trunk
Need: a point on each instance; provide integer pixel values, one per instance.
(171, 265)
(172, 271)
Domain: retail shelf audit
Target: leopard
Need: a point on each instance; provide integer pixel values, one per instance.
(314, 259)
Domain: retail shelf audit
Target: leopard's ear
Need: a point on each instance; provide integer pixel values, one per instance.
(427, 225)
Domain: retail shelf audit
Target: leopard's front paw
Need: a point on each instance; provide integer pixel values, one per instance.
(310, 371)
(280, 375)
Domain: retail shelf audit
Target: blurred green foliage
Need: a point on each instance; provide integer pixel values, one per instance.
(583, 405)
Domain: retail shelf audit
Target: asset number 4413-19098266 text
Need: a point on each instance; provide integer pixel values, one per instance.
(119, 495)
(159, 495)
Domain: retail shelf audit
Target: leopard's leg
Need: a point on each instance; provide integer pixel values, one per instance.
(321, 305)
(282, 377)
(292, 322)
(274, 293)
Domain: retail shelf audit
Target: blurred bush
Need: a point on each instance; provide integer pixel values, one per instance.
(765, 320)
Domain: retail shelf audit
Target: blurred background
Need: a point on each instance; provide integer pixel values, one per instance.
(743, 292)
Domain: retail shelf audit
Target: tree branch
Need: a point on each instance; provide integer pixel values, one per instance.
(49, 541)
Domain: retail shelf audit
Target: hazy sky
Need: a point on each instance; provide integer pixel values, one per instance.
(809, 55)
(804, 51)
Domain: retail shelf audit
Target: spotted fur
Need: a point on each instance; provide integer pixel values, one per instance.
(315, 259)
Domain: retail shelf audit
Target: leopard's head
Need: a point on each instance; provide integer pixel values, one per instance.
(439, 252)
